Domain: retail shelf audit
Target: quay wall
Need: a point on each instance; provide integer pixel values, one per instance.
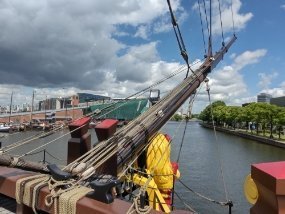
(260, 139)
(59, 114)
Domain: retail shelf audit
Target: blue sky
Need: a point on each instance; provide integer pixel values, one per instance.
(60, 47)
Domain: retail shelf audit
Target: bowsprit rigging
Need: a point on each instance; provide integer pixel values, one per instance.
(136, 155)
(179, 38)
(128, 143)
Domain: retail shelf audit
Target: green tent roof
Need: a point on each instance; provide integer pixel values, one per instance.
(121, 110)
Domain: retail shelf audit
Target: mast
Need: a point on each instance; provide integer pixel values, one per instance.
(130, 141)
(137, 133)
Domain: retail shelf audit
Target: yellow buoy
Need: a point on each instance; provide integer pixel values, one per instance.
(250, 190)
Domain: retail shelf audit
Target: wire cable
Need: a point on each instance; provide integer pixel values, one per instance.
(233, 21)
(203, 33)
(216, 138)
(223, 43)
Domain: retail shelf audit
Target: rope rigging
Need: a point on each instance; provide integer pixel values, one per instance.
(218, 147)
(203, 34)
(179, 39)
(137, 94)
(223, 43)
(206, 17)
(227, 203)
(28, 140)
(233, 21)
(185, 204)
(144, 127)
(135, 137)
(210, 51)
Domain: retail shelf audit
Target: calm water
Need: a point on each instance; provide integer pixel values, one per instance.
(199, 162)
(200, 169)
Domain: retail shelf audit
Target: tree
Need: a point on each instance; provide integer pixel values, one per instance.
(206, 114)
(176, 117)
(280, 119)
(233, 115)
(260, 114)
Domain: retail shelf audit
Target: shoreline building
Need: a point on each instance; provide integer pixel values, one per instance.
(279, 101)
(79, 99)
(264, 98)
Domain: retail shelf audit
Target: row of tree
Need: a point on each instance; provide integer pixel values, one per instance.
(255, 115)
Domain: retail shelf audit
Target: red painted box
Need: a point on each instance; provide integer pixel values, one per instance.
(106, 129)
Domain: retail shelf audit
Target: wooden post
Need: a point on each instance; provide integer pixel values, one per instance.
(104, 131)
(23, 209)
(80, 141)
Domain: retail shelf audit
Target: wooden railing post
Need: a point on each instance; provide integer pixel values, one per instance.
(80, 141)
(104, 131)
(23, 209)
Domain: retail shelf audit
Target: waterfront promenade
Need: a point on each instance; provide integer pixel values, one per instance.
(247, 135)
(60, 114)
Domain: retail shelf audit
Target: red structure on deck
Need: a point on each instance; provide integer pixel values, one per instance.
(270, 181)
(80, 141)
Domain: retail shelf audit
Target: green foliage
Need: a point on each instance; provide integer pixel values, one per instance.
(195, 116)
(206, 115)
(262, 115)
(176, 117)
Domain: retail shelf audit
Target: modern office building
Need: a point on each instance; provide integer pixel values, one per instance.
(279, 101)
(264, 98)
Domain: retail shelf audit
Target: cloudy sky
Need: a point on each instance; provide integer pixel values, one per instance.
(115, 48)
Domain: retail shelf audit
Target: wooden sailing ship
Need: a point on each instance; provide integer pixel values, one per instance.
(113, 157)
(131, 163)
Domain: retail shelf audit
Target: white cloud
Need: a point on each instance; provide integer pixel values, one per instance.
(230, 12)
(142, 32)
(277, 91)
(227, 84)
(283, 6)
(266, 79)
(247, 58)
(283, 84)
(76, 44)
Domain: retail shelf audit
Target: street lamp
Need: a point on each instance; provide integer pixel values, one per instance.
(65, 108)
(11, 101)
(32, 107)
(64, 105)
(45, 108)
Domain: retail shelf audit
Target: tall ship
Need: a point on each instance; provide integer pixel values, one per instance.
(128, 170)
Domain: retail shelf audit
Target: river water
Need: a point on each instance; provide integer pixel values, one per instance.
(199, 162)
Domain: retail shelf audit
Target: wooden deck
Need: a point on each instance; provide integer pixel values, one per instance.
(8, 205)
(9, 177)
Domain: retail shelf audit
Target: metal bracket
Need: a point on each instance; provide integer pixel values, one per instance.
(103, 191)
